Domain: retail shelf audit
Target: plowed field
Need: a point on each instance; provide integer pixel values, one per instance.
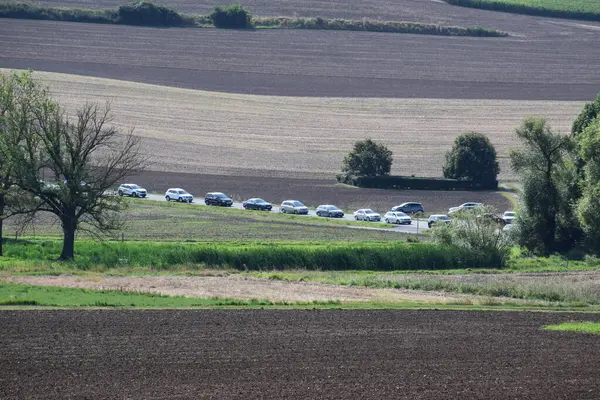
(294, 355)
(558, 64)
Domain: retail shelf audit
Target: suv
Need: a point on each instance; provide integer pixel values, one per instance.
(293, 207)
(217, 199)
(409, 208)
(434, 219)
(180, 195)
(130, 189)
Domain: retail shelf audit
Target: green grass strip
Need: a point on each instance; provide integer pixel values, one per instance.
(574, 326)
(572, 9)
(168, 17)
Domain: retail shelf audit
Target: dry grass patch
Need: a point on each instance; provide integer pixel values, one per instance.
(221, 133)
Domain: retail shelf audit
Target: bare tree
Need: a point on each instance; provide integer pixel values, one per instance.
(85, 158)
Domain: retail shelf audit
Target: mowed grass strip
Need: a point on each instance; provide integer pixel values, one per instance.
(49, 296)
(576, 9)
(575, 326)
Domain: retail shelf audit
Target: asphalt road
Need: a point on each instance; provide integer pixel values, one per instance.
(415, 227)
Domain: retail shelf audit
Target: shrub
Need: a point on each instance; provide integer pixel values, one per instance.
(367, 158)
(231, 16)
(414, 183)
(147, 13)
(473, 158)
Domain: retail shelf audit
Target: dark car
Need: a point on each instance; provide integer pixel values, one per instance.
(257, 204)
(327, 210)
(409, 208)
(217, 199)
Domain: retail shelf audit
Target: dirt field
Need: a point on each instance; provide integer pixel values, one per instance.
(236, 287)
(545, 60)
(230, 134)
(294, 355)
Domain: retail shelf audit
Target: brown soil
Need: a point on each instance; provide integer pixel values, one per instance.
(546, 60)
(264, 354)
(236, 287)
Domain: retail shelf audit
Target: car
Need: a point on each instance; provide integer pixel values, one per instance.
(438, 218)
(178, 194)
(366, 214)
(293, 207)
(492, 218)
(217, 199)
(464, 206)
(392, 217)
(409, 208)
(327, 210)
(257, 204)
(509, 217)
(132, 190)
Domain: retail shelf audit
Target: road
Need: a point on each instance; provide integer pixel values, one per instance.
(416, 226)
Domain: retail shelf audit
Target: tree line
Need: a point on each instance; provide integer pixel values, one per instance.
(61, 164)
(559, 209)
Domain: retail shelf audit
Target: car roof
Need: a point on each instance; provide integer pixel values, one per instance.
(175, 189)
(438, 215)
(214, 193)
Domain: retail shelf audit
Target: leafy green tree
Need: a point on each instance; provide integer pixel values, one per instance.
(590, 112)
(367, 158)
(588, 208)
(543, 166)
(19, 95)
(231, 16)
(473, 157)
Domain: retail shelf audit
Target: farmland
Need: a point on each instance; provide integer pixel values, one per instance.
(275, 354)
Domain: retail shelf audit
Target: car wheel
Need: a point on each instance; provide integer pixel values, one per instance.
(356, 218)
(167, 198)
(429, 225)
(120, 193)
(180, 200)
(295, 211)
(387, 221)
(134, 194)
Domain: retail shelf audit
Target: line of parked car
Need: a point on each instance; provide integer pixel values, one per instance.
(397, 215)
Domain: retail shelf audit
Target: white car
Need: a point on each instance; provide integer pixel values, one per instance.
(509, 217)
(366, 214)
(133, 190)
(178, 194)
(464, 206)
(397, 217)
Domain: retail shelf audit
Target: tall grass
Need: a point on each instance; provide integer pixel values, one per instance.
(574, 9)
(339, 256)
(371, 25)
(150, 14)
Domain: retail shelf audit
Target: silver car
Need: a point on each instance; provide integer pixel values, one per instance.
(293, 207)
(178, 194)
(366, 214)
(397, 217)
(133, 190)
(465, 206)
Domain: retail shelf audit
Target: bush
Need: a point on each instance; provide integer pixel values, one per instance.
(414, 183)
(147, 13)
(367, 158)
(231, 16)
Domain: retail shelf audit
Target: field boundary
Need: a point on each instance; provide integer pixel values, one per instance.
(499, 5)
(17, 10)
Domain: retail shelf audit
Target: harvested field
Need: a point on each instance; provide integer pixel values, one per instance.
(229, 134)
(245, 288)
(295, 355)
(561, 65)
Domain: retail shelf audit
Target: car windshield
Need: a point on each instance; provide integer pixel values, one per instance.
(401, 214)
(444, 217)
(509, 214)
(182, 192)
(222, 196)
(370, 212)
(332, 208)
(259, 201)
(135, 187)
(297, 204)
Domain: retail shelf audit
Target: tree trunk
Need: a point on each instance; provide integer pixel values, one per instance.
(69, 226)
(1, 237)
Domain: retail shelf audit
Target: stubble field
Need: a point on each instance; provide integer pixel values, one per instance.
(274, 354)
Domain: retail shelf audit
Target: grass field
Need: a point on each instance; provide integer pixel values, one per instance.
(580, 9)
(574, 326)
(207, 132)
(146, 220)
